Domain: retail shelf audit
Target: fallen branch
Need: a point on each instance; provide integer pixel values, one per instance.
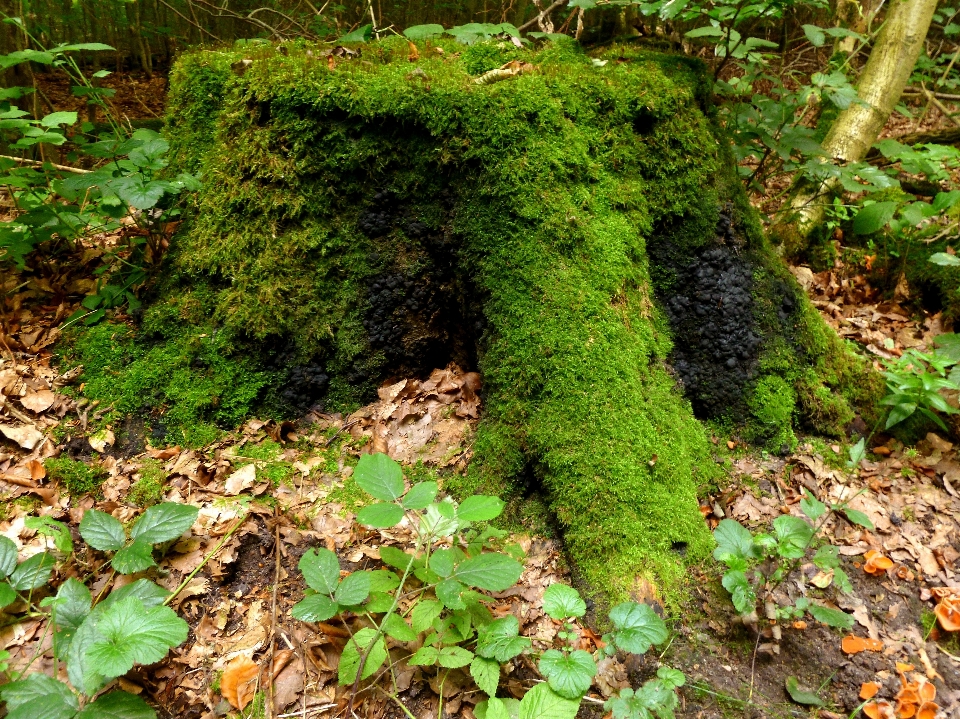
(919, 91)
(941, 107)
(542, 15)
(35, 163)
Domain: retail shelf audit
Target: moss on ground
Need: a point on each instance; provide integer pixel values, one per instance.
(76, 477)
(381, 218)
(147, 490)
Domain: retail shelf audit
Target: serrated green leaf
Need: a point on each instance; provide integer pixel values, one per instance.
(858, 517)
(315, 608)
(353, 652)
(395, 626)
(448, 591)
(563, 602)
(741, 593)
(801, 696)
(793, 535)
(382, 580)
(873, 218)
(815, 35)
(443, 561)
(733, 540)
(58, 118)
(164, 522)
(393, 557)
(134, 558)
(8, 556)
(8, 595)
(379, 476)
(149, 593)
(496, 708)
(424, 656)
(480, 508)
(39, 697)
(70, 608)
(321, 569)
(812, 507)
(570, 675)
(33, 573)
(493, 572)
(541, 702)
(831, 617)
(636, 627)
(117, 705)
(827, 557)
(102, 531)
(132, 633)
(486, 673)
(380, 515)
(424, 613)
(671, 676)
(499, 640)
(420, 495)
(353, 589)
(454, 657)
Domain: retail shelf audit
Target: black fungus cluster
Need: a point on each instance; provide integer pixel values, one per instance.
(402, 308)
(716, 344)
(303, 385)
(378, 219)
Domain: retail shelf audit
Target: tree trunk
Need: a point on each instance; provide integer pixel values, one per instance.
(577, 234)
(886, 73)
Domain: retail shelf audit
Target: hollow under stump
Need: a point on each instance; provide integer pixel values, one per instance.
(574, 229)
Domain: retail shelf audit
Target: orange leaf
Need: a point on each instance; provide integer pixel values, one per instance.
(868, 690)
(928, 710)
(239, 682)
(852, 644)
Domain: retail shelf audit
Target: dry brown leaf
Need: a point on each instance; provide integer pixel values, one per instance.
(239, 682)
(39, 401)
(414, 52)
(26, 436)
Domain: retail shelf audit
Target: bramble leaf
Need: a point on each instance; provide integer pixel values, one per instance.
(102, 531)
(379, 476)
(321, 570)
(164, 522)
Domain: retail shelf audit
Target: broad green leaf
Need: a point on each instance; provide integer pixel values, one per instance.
(801, 696)
(499, 640)
(741, 593)
(379, 476)
(899, 413)
(321, 569)
(815, 35)
(149, 593)
(164, 522)
(8, 595)
(39, 697)
(315, 608)
(486, 673)
(636, 627)
(118, 705)
(8, 556)
(353, 653)
(733, 540)
(541, 702)
(858, 517)
(448, 591)
(382, 580)
(71, 607)
(563, 602)
(378, 603)
(88, 46)
(496, 708)
(873, 218)
(102, 531)
(944, 201)
(570, 675)
(134, 558)
(455, 657)
(420, 495)
(393, 557)
(827, 557)
(705, 31)
(443, 561)
(51, 528)
(812, 507)
(673, 677)
(84, 675)
(424, 613)
(424, 656)
(361, 34)
(479, 508)
(59, 118)
(380, 515)
(493, 572)
(33, 573)
(423, 32)
(395, 626)
(831, 617)
(134, 634)
(793, 535)
(353, 589)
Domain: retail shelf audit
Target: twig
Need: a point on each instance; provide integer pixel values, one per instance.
(311, 710)
(206, 559)
(35, 163)
(543, 14)
(941, 107)
(337, 433)
(919, 91)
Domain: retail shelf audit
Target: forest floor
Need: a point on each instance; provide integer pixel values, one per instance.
(269, 491)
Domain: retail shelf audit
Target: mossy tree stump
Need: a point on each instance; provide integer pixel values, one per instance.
(577, 233)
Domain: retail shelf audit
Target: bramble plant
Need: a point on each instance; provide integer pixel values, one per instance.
(432, 602)
(99, 640)
(758, 563)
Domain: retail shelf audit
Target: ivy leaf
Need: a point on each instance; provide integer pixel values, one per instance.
(570, 675)
(542, 702)
(480, 508)
(499, 640)
(395, 626)
(135, 558)
(8, 556)
(493, 572)
(378, 475)
(164, 522)
(733, 540)
(423, 615)
(315, 608)
(134, 634)
(420, 495)
(118, 705)
(563, 602)
(858, 518)
(353, 589)
(455, 657)
(102, 531)
(33, 573)
(636, 627)
(321, 570)
(39, 697)
(380, 515)
(486, 673)
(831, 617)
(352, 653)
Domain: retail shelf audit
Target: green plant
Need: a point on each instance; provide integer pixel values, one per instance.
(433, 598)
(758, 563)
(915, 382)
(77, 477)
(98, 639)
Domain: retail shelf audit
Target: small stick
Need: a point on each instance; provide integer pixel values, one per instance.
(35, 163)
(206, 559)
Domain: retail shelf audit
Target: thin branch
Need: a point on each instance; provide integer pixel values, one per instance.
(542, 15)
(37, 163)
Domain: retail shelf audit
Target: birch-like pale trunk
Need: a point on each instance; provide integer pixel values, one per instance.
(895, 52)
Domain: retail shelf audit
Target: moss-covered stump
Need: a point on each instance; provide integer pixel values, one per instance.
(575, 232)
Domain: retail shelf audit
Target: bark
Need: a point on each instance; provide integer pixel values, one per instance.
(884, 77)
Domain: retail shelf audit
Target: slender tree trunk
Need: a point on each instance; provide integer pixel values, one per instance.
(897, 48)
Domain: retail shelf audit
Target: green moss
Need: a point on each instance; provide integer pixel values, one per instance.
(76, 477)
(148, 489)
(772, 405)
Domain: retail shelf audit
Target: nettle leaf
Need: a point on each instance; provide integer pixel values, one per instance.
(149, 593)
(568, 675)
(493, 572)
(39, 697)
(315, 608)
(353, 652)
(379, 476)
(563, 602)
(8, 556)
(542, 702)
(380, 515)
(118, 705)
(741, 593)
(395, 626)
(636, 627)
(321, 569)
(812, 507)
(102, 531)
(134, 558)
(353, 589)
(164, 522)
(858, 517)
(480, 508)
(132, 633)
(831, 617)
(499, 640)
(793, 535)
(733, 540)
(455, 657)
(420, 495)
(486, 673)
(33, 573)
(423, 615)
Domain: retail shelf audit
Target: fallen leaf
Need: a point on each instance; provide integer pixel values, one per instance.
(38, 401)
(101, 440)
(242, 479)
(239, 682)
(26, 436)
